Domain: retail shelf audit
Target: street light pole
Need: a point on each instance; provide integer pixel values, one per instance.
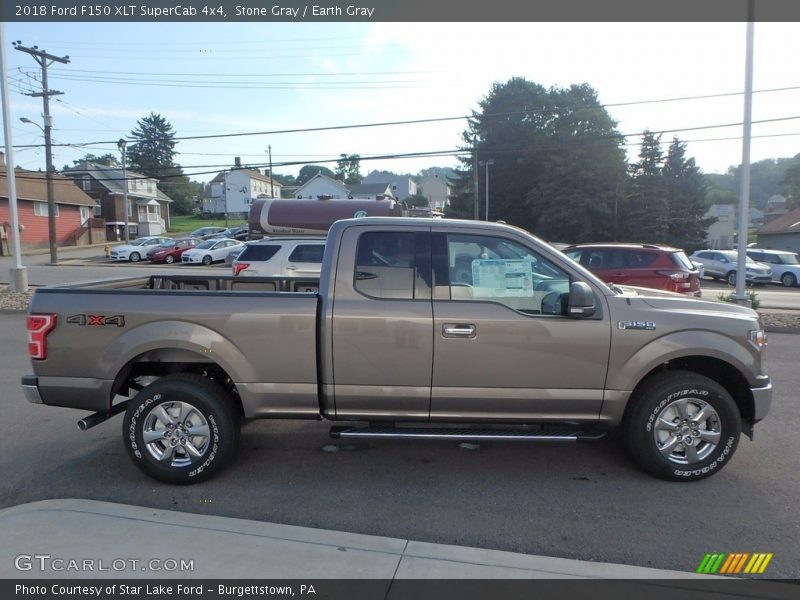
(486, 164)
(121, 144)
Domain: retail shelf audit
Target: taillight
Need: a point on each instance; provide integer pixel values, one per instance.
(676, 275)
(38, 328)
(239, 267)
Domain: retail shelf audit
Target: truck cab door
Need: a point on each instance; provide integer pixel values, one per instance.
(505, 348)
(381, 333)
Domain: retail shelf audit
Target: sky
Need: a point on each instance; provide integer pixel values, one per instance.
(219, 78)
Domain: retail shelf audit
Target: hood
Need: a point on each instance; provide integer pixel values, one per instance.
(664, 300)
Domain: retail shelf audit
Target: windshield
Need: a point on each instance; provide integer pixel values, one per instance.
(201, 231)
(206, 245)
(167, 244)
(680, 259)
(788, 259)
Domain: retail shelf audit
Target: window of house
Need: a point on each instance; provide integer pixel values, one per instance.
(86, 183)
(40, 209)
(385, 265)
(493, 269)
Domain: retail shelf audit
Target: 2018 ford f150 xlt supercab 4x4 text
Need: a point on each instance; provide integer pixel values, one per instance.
(416, 328)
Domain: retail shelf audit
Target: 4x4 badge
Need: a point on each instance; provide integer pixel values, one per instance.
(649, 325)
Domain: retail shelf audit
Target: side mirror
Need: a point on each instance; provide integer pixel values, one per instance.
(581, 300)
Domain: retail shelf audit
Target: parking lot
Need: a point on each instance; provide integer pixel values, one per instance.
(584, 501)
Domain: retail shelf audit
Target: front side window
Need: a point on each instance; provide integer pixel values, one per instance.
(486, 268)
(386, 265)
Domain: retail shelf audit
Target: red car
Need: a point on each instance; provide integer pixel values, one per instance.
(642, 265)
(171, 251)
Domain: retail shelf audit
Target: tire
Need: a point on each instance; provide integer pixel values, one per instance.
(179, 405)
(135, 257)
(169, 259)
(731, 278)
(788, 280)
(652, 426)
(207, 260)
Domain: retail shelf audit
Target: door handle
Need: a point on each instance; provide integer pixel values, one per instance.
(290, 268)
(458, 330)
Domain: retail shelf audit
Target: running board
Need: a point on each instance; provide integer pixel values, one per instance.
(466, 434)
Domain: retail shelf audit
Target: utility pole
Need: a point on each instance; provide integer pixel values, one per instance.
(45, 60)
(271, 187)
(122, 144)
(18, 273)
(487, 163)
(744, 190)
(475, 175)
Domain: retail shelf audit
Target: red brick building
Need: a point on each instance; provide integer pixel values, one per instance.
(73, 210)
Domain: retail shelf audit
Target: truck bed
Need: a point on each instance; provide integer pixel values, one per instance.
(204, 283)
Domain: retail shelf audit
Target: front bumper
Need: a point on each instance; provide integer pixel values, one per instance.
(762, 400)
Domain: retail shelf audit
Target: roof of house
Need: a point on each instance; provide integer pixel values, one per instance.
(32, 185)
(369, 188)
(788, 223)
(220, 177)
(330, 180)
(112, 177)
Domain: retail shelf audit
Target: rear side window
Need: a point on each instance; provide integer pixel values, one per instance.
(679, 259)
(307, 253)
(639, 259)
(259, 252)
(385, 265)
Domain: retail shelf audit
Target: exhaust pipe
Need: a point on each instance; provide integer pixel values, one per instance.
(99, 417)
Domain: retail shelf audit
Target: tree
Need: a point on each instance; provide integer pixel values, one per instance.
(790, 183)
(418, 200)
(348, 168)
(686, 193)
(558, 161)
(153, 152)
(309, 171)
(646, 208)
(108, 159)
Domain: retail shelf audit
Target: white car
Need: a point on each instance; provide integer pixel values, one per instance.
(722, 264)
(138, 248)
(281, 257)
(785, 266)
(209, 251)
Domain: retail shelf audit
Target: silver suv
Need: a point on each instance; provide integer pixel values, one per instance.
(785, 266)
(281, 257)
(722, 264)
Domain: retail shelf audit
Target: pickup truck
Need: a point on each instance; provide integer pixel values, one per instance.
(431, 329)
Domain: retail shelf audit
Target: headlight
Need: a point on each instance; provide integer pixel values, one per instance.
(758, 337)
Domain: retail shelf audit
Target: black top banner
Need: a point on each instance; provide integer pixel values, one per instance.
(398, 10)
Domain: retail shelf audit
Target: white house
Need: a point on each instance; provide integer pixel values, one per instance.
(721, 233)
(322, 186)
(403, 186)
(233, 192)
(437, 190)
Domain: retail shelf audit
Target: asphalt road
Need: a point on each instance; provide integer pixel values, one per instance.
(584, 501)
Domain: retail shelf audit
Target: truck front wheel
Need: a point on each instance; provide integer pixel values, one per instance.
(181, 429)
(682, 426)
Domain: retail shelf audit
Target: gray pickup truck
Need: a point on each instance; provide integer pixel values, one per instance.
(456, 330)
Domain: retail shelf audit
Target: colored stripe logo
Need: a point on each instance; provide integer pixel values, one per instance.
(735, 563)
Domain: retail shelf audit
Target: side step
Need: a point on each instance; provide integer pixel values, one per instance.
(467, 434)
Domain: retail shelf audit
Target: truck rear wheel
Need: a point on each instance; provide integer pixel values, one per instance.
(682, 426)
(181, 429)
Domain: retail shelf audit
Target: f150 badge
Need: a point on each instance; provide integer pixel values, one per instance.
(649, 325)
(96, 320)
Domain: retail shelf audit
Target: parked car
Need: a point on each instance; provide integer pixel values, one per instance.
(138, 248)
(205, 232)
(281, 257)
(240, 233)
(171, 251)
(723, 264)
(209, 251)
(403, 341)
(785, 265)
(642, 265)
